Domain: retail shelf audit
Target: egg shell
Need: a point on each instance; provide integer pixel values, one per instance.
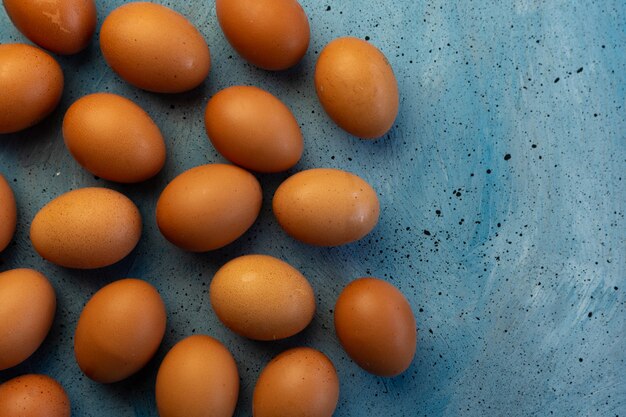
(33, 396)
(326, 207)
(119, 330)
(376, 326)
(86, 228)
(198, 377)
(154, 48)
(31, 82)
(8, 213)
(113, 138)
(208, 207)
(357, 88)
(27, 307)
(262, 297)
(298, 382)
(271, 34)
(61, 26)
(252, 128)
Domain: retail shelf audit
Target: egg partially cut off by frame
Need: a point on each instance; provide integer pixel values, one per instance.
(31, 82)
(154, 48)
(8, 213)
(62, 26)
(33, 395)
(27, 309)
(86, 228)
(113, 138)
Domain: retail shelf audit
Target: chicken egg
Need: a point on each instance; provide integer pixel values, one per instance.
(33, 396)
(8, 213)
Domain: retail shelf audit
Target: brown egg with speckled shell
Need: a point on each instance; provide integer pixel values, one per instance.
(262, 297)
(357, 88)
(33, 396)
(271, 34)
(27, 308)
(298, 382)
(86, 228)
(119, 330)
(31, 82)
(376, 326)
(8, 213)
(198, 377)
(61, 26)
(326, 207)
(167, 53)
(252, 128)
(113, 138)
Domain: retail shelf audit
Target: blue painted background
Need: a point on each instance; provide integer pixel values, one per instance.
(515, 267)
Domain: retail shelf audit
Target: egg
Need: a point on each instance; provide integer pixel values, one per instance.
(33, 396)
(31, 82)
(271, 34)
(357, 87)
(198, 377)
(119, 330)
(113, 138)
(208, 207)
(298, 382)
(376, 326)
(8, 213)
(86, 228)
(61, 26)
(252, 128)
(326, 207)
(27, 307)
(154, 48)
(262, 297)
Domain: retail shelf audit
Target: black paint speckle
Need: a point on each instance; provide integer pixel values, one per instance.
(426, 232)
(507, 156)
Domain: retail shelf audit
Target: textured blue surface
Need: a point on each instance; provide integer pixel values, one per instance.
(515, 266)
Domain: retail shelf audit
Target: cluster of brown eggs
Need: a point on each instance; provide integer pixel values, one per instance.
(204, 208)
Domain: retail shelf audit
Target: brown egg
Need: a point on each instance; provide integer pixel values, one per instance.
(298, 382)
(326, 207)
(198, 377)
(8, 213)
(31, 82)
(154, 48)
(119, 330)
(208, 207)
(27, 307)
(61, 26)
(252, 128)
(356, 86)
(113, 138)
(262, 298)
(86, 228)
(376, 326)
(271, 34)
(33, 396)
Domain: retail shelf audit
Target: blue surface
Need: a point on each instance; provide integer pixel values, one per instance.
(515, 267)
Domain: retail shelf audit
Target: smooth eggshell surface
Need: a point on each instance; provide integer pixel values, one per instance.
(197, 378)
(357, 88)
(61, 26)
(376, 326)
(86, 228)
(326, 207)
(252, 128)
(154, 48)
(298, 382)
(271, 34)
(208, 207)
(262, 297)
(113, 138)
(8, 213)
(119, 330)
(31, 82)
(33, 396)
(27, 307)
